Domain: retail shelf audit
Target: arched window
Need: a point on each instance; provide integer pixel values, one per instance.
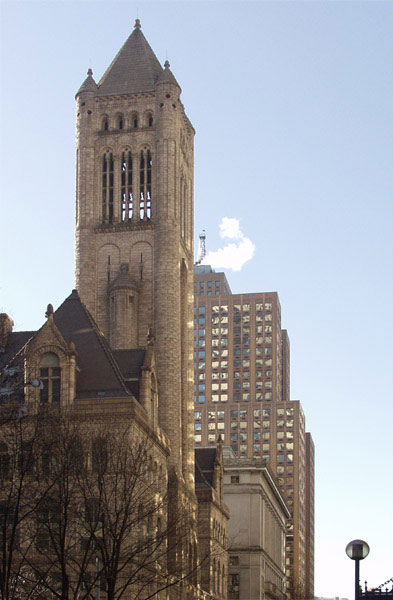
(105, 124)
(4, 460)
(159, 527)
(50, 375)
(26, 458)
(145, 165)
(47, 522)
(126, 186)
(149, 120)
(190, 561)
(99, 455)
(134, 121)
(195, 565)
(141, 525)
(107, 187)
(120, 122)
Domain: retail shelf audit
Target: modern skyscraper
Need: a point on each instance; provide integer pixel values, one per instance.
(242, 387)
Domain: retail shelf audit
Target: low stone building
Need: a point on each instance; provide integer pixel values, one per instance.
(256, 529)
(212, 521)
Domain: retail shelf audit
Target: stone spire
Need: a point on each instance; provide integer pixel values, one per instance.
(89, 85)
(167, 76)
(134, 69)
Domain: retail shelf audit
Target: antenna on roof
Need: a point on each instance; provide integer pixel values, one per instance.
(202, 247)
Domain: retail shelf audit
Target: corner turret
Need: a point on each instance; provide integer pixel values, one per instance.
(89, 85)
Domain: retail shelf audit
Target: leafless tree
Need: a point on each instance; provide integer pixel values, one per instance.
(19, 442)
(88, 515)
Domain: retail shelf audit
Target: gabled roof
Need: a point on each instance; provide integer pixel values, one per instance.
(134, 69)
(97, 368)
(130, 362)
(15, 342)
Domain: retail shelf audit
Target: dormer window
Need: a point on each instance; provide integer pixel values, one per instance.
(50, 375)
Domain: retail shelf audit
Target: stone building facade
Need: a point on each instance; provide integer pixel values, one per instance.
(256, 530)
(120, 347)
(213, 519)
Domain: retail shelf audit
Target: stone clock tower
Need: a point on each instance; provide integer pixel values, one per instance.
(134, 225)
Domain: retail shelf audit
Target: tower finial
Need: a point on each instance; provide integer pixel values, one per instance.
(137, 24)
(166, 64)
(89, 72)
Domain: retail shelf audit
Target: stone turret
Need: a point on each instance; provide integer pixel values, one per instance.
(123, 310)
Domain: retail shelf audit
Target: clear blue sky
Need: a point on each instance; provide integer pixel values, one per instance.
(292, 104)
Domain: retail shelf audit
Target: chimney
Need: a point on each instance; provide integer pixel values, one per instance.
(6, 325)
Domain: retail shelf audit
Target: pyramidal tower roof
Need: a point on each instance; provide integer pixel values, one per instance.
(89, 85)
(135, 68)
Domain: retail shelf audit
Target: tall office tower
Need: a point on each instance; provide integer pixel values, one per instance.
(241, 365)
(309, 516)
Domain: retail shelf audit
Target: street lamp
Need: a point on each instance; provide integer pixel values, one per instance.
(357, 550)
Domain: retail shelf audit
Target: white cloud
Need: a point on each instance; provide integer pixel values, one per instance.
(235, 254)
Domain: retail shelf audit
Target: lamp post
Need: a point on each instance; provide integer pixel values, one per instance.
(357, 550)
